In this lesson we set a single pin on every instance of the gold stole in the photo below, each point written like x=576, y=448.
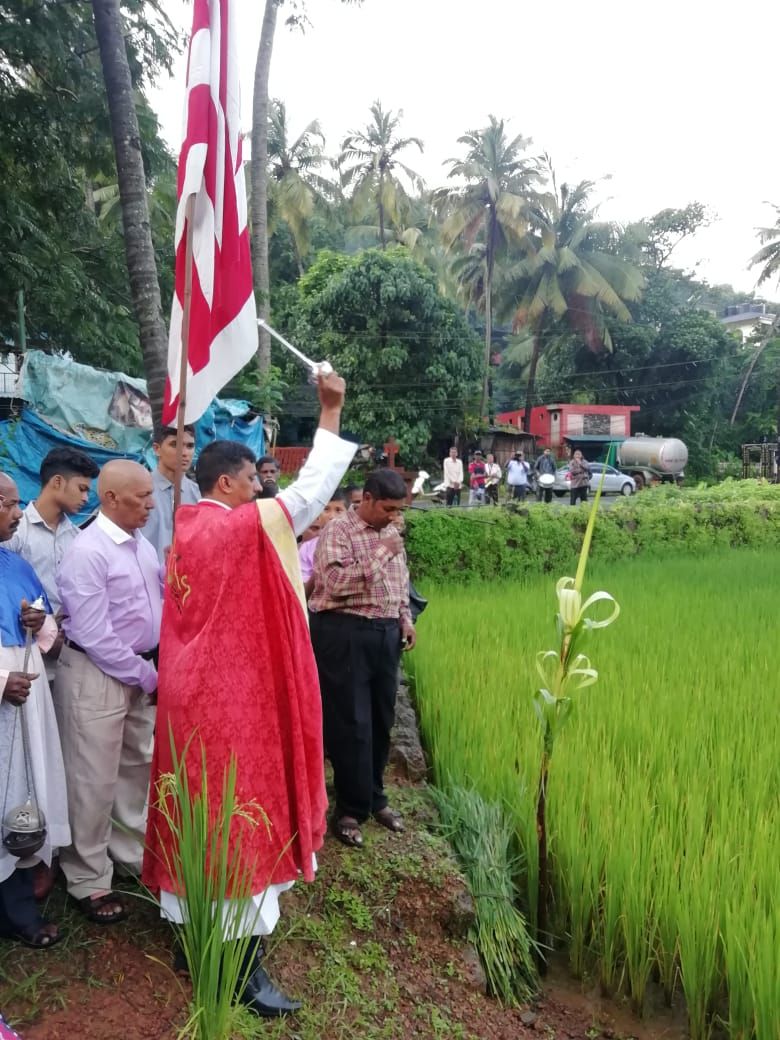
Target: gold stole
x=277, y=526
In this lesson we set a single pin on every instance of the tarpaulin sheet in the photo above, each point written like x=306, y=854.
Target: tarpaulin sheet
x=77, y=400
x=26, y=441
x=105, y=414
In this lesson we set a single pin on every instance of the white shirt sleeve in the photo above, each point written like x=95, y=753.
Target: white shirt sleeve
x=321, y=474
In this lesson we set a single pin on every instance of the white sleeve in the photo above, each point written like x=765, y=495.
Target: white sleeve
x=321, y=474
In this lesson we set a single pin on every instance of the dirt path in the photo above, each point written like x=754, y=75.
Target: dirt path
x=376, y=949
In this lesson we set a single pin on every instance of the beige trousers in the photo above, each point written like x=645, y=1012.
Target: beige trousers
x=107, y=732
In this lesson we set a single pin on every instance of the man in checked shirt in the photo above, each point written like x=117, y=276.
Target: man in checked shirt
x=360, y=622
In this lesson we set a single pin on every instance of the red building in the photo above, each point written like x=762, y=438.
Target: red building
x=554, y=424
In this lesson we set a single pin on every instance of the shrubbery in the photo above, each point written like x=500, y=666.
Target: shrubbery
x=479, y=544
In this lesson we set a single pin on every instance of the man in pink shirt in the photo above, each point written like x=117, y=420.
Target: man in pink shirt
x=336, y=507
x=111, y=590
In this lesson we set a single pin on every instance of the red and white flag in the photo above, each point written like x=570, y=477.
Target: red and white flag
x=223, y=317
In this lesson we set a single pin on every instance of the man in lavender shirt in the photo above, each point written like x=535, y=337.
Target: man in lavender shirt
x=111, y=591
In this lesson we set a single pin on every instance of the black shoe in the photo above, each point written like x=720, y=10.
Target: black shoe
x=180, y=965
x=261, y=996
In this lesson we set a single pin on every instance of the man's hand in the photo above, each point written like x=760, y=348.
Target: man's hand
x=409, y=635
x=391, y=539
x=331, y=390
x=17, y=687
x=54, y=651
x=32, y=619
x=399, y=522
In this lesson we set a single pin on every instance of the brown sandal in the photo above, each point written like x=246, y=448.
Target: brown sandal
x=390, y=819
x=347, y=830
x=91, y=906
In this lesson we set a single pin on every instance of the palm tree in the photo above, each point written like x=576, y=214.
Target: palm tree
x=295, y=184
x=139, y=248
x=258, y=171
x=374, y=151
x=769, y=254
x=563, y=277
x=487, y=214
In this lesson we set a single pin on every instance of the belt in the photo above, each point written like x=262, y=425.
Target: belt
x=358, y=619
x=148, y=655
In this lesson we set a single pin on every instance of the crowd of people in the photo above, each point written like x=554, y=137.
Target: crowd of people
x=522, y=477
x=122, y=643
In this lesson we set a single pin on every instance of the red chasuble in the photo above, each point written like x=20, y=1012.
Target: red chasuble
x=237, y=673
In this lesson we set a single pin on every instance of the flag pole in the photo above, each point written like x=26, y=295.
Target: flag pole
x=185, y=345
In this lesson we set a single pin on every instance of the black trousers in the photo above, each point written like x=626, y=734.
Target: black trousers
x=453, y=496
x=545, y=493
x=579, y=494
x=357, y=661
x=18, y=909
x=518, y=492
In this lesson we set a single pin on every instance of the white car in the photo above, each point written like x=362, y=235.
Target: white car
x=615, y=482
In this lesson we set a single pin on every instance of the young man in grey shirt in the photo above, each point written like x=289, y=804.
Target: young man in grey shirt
x=45, y=530
x=159, y=527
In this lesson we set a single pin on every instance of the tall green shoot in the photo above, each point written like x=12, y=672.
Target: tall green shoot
x=563, y=672
x=203, y=865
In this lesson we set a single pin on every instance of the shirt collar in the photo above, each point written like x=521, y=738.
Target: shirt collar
x=161, y=480
x=35, y=517
x=214, y=502
x=358, y=520
x=116, y=534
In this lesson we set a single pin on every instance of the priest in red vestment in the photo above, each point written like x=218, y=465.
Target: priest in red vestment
x=237, y=674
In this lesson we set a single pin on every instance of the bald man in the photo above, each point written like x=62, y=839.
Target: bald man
x=111, y=591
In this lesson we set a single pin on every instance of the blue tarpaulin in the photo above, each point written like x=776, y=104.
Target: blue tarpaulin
x=105, y=414
x=25, y=442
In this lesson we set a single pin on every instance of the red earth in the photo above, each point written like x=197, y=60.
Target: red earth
x=375, y=948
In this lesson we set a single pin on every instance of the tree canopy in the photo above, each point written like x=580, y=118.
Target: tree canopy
x=410, y=360
x=56, y=150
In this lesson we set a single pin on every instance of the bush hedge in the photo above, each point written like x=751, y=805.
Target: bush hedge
x=466, y=545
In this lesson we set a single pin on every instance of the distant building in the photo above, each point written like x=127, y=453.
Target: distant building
x=553, y=425
x=747, y=318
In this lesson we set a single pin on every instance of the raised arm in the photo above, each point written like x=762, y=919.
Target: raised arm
x=327, y=462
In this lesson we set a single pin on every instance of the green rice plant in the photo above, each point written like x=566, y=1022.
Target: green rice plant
x=610, y=920
x=482, y=837
x=738, y=939
x=669, y=784
x=207, y=864
x=699, y=942
x=639, y=919
x=665, y=874
x=764, y=973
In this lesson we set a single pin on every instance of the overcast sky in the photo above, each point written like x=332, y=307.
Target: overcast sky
x=673, y=101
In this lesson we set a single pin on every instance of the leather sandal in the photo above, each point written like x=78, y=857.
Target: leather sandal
x=390, y=819
x=91, y=907
x=35, y=936
x=347, y=830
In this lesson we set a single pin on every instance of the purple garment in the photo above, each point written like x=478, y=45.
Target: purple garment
x=306, y=556
x=111, y=592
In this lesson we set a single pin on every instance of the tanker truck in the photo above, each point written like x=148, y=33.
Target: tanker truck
x=653, y=459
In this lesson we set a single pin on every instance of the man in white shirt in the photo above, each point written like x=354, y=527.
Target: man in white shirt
x=45, y=530
x=159, y=527
x=453, y=477
x=517, y=476
x=44, y=533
